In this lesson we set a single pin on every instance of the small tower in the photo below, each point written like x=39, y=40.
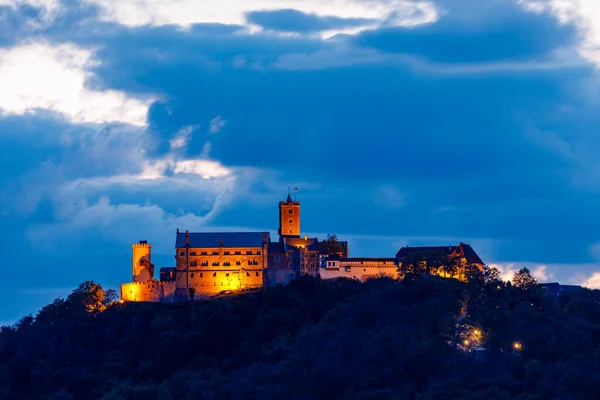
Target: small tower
x=143, y=269
x=289, y=218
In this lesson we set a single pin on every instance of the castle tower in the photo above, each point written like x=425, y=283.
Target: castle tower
x=289, y=218
x=143, y=269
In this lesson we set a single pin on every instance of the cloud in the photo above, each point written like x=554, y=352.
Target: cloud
x=388, y=196
x=592, y=282
x=508, y=270
x=295, y=21
x=38, y=75
x=188, y=12
x=216, y=124
x=585, y=14
x=182, y=138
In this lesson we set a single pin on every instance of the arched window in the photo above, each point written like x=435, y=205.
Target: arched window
x=193, y=263
x=238, y=262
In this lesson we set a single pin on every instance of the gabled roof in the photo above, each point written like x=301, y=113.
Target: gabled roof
x=462, y=249
x=223, y=239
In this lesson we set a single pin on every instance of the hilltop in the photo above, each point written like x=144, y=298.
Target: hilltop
x=426, y=338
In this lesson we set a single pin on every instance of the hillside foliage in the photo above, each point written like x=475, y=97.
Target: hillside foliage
x=425, y=338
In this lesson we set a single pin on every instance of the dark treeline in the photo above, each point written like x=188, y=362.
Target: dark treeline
x=313, y=339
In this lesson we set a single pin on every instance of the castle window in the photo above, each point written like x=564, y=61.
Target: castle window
x=258, y=252
x=248, y=252
x=238, y=253
x=193, y=253
x=290, y=211
x=215, y=253
x=226, y=253
x=226, y=264
x=214, y=274
x=201, y=275
x=247, y=273
x=291, y=221
x=193, y=263
x=204, y=253
x=192, y=275
x=182, y=253
x=215, y=263
x=204, y=264
x=238, y=262
x=290, y=231
x=258, y=274
x=249, y=262
x=227, y=274
x=255, y=262
x=276, y=259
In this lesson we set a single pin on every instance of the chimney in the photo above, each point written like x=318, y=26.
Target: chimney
x=187, y=238
x=221, y=242
x=177, y=230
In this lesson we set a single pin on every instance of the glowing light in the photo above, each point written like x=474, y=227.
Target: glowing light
x=477, y=332
x=466, y=342
x=517, y=345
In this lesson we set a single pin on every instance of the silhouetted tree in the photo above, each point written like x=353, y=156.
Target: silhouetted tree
x=524, y=280
x=331, y=245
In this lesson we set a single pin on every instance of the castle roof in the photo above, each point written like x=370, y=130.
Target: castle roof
x=223, y=239
x=462, y=249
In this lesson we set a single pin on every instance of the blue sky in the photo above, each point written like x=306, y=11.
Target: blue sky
x=401, y=123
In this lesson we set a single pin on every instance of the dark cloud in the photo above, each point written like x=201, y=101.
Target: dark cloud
x=296, y=21
x=501, y=32
x=489, y=156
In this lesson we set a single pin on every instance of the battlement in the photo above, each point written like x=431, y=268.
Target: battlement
x=141, y=245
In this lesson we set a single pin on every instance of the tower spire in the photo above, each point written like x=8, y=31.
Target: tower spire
x=289, y=198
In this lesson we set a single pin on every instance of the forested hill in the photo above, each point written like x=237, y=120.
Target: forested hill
x=312, y=340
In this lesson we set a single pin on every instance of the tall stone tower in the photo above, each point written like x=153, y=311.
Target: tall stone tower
x=289, y=218
x=143, y=269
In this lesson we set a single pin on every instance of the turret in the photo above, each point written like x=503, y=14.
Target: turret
x=143, y=269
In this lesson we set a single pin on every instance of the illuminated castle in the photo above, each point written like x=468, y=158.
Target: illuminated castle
x=209, y=263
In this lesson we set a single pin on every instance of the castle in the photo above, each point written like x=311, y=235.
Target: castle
x=210, y=263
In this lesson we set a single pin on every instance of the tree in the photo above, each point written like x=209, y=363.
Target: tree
x=491, y=276
x=474, y=274
x=415, y=265
x=524, y=280
x=91, y=296
x=331, y=245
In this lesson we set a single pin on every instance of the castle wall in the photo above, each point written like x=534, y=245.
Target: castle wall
x=152, y=291
x=275, y=276
x=361, y=269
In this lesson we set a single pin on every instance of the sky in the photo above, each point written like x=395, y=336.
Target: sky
x=401, y=122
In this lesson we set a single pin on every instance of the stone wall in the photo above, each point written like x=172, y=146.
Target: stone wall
x=151, y=291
